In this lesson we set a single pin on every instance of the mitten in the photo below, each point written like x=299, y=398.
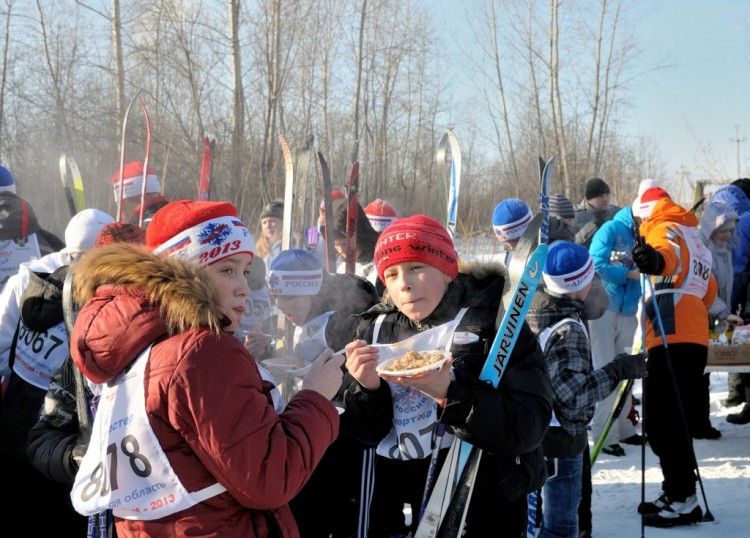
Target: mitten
x=625, y=366
x=648, y=259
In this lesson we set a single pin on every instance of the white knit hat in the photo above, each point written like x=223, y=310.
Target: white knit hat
x=83, y=229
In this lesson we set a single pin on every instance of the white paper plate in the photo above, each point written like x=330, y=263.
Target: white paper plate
x=383, y=367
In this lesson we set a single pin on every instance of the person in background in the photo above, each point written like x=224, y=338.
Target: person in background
x=717, y=226
x=315, y=240
x=417, y=261
x=323, y=308
x=510, y=219
x=680, y=268
x=21, y=237
x=132, y=190
x=610, y=334
x=555, y=317
x=33, y=345
x=737, y=195
x=380, y=214
x=59, y=438
x=365, y=244
x=594, y=211
x=195, y=400
x=271, y=228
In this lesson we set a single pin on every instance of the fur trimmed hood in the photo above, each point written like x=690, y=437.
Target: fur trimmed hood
x=176, y=286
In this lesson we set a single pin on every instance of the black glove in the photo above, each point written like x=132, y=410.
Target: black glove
x=599, y=218
x=648, y=259
x=625, y=366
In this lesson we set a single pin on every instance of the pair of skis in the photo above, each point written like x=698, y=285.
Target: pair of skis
x=450, y=140
x=145, y=159
x=72, y=184
x=296, y=195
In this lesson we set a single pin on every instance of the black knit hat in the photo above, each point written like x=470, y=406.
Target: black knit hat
x=562, y=207
x=596, y=187
x=744, y=184
x=274, y=209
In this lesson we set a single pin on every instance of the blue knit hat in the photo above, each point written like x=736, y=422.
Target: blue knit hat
x=568, y=269
x=295, y=272
x=510, y=219
x=7, y=183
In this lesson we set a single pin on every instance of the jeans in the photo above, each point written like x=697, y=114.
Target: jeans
x=562, y=493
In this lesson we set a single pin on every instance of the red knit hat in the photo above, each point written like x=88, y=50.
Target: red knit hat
x=335, y=195
x=644, y=204
x=120, y=232
x=204, y=232
x=380, y=214
x=416, y=239
x=133, y=181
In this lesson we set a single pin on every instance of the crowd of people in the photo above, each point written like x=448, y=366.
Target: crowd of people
x=140, y=396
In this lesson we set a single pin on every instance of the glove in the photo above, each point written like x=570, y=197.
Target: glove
x=648, y=259
x=625, y=366
x=599, y=218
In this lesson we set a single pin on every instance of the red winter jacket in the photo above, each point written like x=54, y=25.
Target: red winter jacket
x=207, y=404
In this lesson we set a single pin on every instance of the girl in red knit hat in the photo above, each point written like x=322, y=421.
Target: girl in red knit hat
x=401, y=416
x=186, y=441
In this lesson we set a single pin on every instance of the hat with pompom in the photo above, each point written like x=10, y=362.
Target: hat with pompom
x=418, y=238
x=132, y=181
x=569, y=268
x=380, y=214
x=510, y=219
x=204, y=232
x=7, y=182
x=644, y=204
x=294, y=272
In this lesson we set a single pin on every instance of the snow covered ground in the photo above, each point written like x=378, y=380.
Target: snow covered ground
x=724, y=468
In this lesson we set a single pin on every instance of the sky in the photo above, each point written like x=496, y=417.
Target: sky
x=694, y=107
x=724, y=466
x=701, y=100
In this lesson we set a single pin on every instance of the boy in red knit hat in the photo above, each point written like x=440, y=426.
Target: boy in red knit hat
x=403, y=416
x=131, y=189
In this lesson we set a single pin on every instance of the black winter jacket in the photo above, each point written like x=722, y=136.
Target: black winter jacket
x=508, y=423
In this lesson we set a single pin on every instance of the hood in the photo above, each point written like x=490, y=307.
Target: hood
x=714, y=216
x=132, y=298
x=666, y=211
x=734, y=196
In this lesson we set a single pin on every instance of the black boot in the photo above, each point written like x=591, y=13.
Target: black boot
x=735, y=390
x=743, y=417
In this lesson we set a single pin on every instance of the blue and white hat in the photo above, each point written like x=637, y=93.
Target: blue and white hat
x=7, y=183
x=295, y=272
x=568, y=269
x=510, y=219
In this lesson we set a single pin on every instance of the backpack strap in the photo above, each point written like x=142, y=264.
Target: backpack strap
x=69, y=316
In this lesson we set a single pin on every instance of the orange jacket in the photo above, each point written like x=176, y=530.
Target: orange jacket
x=684, y=315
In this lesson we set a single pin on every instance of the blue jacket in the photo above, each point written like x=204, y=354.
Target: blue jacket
x=616, y=235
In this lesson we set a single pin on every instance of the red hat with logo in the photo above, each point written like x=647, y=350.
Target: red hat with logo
x=132, y=177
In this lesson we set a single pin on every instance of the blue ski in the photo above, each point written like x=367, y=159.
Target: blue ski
x=457, y=481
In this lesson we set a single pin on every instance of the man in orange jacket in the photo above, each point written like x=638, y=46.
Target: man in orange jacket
x=680, y=267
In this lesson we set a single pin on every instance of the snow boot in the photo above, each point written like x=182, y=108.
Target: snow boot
x=743, y=417
x=654, y=507
x=613, y=450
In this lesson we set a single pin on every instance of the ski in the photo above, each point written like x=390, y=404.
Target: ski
x=74, y=190
x=449, y=139
x=622, y=397
x=352, y=214
x=122, y=155
x=302, y=195
x=204, y=187
x=545, y=172
x=145, y=160
x=286, y=229
x=447, y=520
x=325, y=173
